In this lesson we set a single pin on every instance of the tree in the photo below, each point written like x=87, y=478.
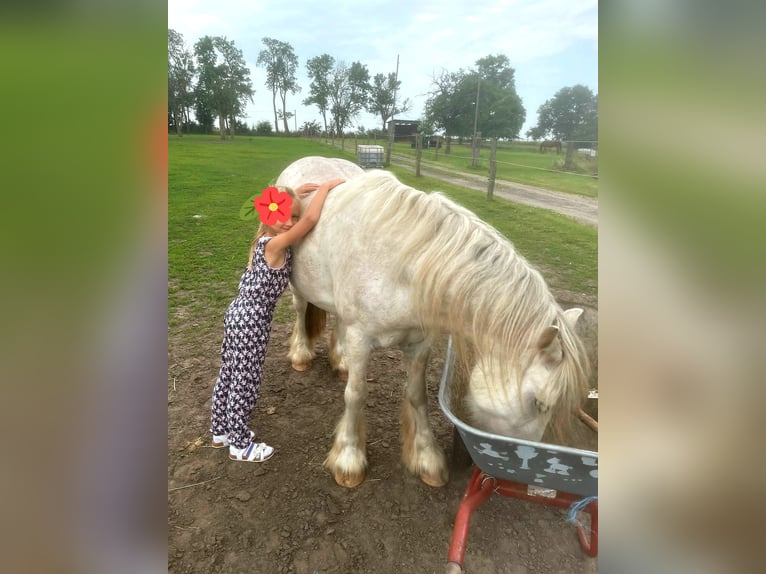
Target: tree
x=498, y=112
x=205, y=117
x=382, y=97
x=311, y=129
x=319, y=70
x=281, y=63
x=180, y=76
x=571, y=115
x=223, y=85
x=349, y=88
x=536, y=133
x=263, y=128
x=285, y=117
x=450, y=106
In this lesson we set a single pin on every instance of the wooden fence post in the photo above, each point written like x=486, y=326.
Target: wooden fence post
x=391, y=138
x=570, y=152
x=418, y=153
x=475, y=149
x=492, y=168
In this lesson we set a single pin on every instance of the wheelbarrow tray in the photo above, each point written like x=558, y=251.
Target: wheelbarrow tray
x=543, y=465
x=548, y=474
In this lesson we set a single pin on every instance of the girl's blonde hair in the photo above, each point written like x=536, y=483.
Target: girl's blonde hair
x=263, y=229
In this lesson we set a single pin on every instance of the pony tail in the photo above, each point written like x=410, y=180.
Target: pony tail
x=316, y=319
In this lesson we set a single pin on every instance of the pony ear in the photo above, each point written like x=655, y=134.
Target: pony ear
x=550, y=346
x=571, y=315
x=547, y=337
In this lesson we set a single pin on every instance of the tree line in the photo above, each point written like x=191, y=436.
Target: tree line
x=213, y=81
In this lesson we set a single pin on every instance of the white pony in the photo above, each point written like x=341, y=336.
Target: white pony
x=397, y=267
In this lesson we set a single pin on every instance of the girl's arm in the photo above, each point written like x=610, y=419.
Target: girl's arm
x=275, y=247
x=306, y=189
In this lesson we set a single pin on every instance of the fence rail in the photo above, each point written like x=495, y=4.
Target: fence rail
x=583, y=168
x=494, y=145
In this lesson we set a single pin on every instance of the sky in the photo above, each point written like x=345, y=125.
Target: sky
x=551, y=44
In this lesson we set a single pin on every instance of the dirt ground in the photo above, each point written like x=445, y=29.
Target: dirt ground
x=287, y=515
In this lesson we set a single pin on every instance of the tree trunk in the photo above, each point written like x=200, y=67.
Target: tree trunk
x=222, y=126
x=274, y=105
x=284, y=114
x=324, y=118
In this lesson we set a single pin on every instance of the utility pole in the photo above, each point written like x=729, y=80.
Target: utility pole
x=391, y=128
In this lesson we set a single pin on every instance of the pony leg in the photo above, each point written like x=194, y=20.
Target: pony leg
x=338, y=359
x=347, y=460
x=309, y=321
x=421, y=454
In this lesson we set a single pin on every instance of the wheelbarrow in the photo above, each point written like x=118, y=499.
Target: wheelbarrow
x=538, y=472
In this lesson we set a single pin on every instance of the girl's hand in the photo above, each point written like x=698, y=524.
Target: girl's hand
x=276, y=246
x=306, y=189
x=333, y=183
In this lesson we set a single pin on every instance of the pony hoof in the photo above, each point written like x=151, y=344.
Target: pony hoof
x=348, y=480
x=436, y=482
x=301, y=367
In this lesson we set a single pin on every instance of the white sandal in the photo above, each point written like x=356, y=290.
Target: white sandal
x=222, y=440
x=254, y=452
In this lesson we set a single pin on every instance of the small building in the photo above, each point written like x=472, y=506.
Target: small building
x=404, y=130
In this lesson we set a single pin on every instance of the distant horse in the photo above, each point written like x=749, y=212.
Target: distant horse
x=551, y=143
x=397, y=267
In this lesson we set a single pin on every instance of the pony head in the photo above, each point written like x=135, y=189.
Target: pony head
x=520, y=404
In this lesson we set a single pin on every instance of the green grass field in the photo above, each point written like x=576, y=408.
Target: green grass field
x=209, y=180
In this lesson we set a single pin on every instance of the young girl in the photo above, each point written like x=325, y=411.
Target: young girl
x=247, y=324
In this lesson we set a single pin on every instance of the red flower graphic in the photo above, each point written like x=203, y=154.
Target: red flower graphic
x=273, y=205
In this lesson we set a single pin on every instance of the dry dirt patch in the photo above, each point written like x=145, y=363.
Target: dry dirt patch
x=288, y=516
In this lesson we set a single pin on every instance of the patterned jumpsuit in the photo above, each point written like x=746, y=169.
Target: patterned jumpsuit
x=247, y=325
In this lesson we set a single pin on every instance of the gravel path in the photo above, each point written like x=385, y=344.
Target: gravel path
x=582, y=209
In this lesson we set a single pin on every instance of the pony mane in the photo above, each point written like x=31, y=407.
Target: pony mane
x=467, y=279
